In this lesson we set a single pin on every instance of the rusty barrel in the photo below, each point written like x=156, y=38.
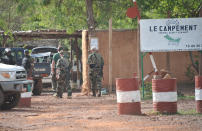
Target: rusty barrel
x=25, y=100
x=128, y=96
x=198, y=93
x=164, y=93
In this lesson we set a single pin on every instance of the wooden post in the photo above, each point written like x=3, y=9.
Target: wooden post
x=78, y=64
x=110, y=56
x=168, y=53
x=71, y=57
x=85, y=86
x=138, y=51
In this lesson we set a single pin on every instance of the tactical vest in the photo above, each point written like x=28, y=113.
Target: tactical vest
x=61, y=69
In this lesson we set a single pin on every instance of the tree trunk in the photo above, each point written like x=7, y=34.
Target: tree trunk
x=77, y=62
x=90, y=18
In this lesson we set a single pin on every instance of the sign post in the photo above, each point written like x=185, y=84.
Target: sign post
x=166, y=35
x=169, y=35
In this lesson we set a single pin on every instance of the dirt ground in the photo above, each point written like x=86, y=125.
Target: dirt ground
x=84, y=113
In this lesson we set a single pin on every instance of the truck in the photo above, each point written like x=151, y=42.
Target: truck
x=17, y=53
x=42, y=58
x=42, y=66
x=13, y=81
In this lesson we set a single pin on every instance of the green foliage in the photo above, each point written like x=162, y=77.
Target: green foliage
x=188, y=112
x=104, y=10
x=170, y=8
x=46, y=2
x=71, y=14
x=186, y=97
x=147, y=90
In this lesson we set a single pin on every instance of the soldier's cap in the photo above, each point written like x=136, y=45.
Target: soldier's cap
x=60, y=48
x=26, y=51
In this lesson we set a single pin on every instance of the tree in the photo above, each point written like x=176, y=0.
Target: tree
x=9, y=21
x=173, y=9
x=71, y=14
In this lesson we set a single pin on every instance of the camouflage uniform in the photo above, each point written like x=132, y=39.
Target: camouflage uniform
x=62, y=76
x=56, y=57
x=27, y=64
x=96, y=63
x=68, y=76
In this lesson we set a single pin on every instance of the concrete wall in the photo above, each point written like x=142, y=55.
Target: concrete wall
x=125, y=59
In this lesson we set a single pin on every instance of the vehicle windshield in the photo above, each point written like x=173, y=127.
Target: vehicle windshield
x=44, y=49
x=43, y=54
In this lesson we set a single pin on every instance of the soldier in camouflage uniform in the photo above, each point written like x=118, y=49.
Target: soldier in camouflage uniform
x=96, y=63
x=68, y=76
x=62, y=76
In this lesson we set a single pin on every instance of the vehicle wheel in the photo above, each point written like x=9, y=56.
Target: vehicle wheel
x=37, y=87
x=11, y=100
x=1, y=97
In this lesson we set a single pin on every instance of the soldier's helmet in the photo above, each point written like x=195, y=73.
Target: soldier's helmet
x=26, y=51
x=8, y=50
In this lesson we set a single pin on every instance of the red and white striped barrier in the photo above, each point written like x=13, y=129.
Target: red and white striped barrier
x=25, y=100
x=198, y=93
x=164, y=95
x=128, y=96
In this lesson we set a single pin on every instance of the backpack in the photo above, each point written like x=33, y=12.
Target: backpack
x=95, y=60
x=61, y=69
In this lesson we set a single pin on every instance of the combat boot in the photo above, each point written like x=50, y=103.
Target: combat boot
x=59, y=95
x=94, y=93
x=69, y=92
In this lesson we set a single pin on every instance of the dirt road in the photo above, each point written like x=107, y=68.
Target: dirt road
x=84, y=113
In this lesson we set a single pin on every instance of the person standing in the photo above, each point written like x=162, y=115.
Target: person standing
x=56, y=57
x=96, y=63
x=8, y=58
x=68, y=76
x=62, y=69
x=27, y=63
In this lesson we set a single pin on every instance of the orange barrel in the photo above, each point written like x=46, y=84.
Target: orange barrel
x=128, y=96
x=198, y=93
x=164, y=93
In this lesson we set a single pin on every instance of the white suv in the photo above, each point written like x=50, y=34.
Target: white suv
x=13, y=81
